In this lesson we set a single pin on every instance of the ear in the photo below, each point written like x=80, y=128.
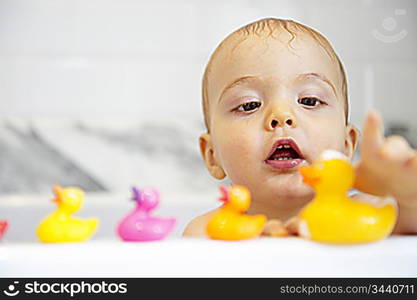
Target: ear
x=207, y=152
x=351, y=140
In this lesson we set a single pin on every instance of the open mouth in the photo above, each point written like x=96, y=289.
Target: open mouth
x=284, y=154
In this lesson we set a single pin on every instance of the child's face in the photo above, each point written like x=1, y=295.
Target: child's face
x=261, y=91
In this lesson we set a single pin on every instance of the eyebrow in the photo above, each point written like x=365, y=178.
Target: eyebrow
x=237, y=82
x=318, y=76
x=246, y=79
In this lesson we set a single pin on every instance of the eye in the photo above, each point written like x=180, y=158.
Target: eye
x=248, y=106
x=310, y=101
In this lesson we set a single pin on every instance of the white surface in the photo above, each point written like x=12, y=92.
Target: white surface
x=264, y=257
x=58, y=56
x=21, y=255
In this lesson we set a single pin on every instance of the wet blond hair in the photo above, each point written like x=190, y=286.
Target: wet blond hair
x=267, y=27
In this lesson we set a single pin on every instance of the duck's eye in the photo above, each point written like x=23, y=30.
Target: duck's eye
x=248, y=106
x=310, y=101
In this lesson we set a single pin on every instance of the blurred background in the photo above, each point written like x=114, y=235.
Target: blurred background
x=104, y=94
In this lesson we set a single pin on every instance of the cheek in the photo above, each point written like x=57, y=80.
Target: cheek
x=238, y=148
x=327, y=134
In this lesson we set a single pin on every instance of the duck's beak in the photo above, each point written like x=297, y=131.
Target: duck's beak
x=225, y=193
x=310, y=175
x=57, y=189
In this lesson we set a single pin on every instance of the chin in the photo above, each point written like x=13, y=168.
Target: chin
x=289, y=187
x=285, y=188
x=301, y=192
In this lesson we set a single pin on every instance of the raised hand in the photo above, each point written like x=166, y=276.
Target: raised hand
x=387, y=166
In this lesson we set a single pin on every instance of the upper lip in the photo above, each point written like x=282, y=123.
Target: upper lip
x=283, y=142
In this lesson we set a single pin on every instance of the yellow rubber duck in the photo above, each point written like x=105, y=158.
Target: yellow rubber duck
x=60, y=226
x=230, y=222
x=332, y=216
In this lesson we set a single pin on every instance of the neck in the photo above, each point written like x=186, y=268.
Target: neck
x=282, y=210
x=140, y=212
x=62, y=213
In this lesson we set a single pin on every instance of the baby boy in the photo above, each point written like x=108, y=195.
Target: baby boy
x=275, y=97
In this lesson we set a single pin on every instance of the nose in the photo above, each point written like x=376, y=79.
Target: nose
x=280, y=119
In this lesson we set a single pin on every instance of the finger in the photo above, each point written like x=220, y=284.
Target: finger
x=356, y=165
x=373, y=135
x=292, y=225
x=396, y=149
x=275, y=228
x=412, y=163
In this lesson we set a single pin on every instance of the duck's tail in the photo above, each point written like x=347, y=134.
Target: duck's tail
x=252, y=226
x=388, y=213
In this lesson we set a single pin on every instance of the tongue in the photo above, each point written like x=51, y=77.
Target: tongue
x=284, y=153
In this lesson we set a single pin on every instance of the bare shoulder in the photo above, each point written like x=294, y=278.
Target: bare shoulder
x=197, y=226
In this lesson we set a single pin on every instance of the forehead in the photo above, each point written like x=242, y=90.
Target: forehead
x=275, y=58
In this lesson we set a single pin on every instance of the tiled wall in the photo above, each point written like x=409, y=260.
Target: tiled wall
x=109, y=57
x=142, y=60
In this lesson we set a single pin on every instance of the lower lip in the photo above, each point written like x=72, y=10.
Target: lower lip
x=284, y=164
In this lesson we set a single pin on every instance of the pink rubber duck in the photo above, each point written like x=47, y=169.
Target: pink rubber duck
x=3, y=227
x=139, y=225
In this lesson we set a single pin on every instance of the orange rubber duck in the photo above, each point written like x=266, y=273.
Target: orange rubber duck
x=230, y=221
